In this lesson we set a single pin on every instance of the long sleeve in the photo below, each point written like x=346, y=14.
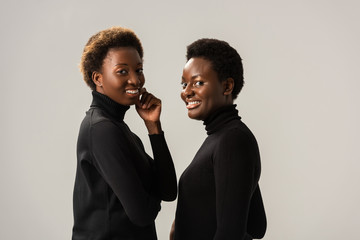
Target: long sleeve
x=164, y=168
x=115, y=162
x=256, y=226
x=236, y=175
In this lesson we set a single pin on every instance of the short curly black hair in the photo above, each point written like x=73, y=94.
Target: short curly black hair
x=225, y=60
x=98, y=46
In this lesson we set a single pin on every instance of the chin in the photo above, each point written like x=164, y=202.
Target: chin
x=194, y=116
x=129, y=102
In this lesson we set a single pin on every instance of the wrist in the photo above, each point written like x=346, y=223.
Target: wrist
x=153, y=127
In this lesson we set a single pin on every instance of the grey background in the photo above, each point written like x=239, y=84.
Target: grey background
x=301, y=99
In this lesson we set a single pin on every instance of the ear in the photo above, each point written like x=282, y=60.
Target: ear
x=228, y=86
x=97, y=79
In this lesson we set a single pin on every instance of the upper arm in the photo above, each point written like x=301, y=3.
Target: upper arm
x=112, y=158
x=235, y=170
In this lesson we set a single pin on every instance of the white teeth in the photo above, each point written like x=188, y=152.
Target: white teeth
x=193, y=102
x=132, y=91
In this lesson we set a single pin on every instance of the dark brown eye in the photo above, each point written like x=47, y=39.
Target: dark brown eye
x=122, y=72
x=199, y=83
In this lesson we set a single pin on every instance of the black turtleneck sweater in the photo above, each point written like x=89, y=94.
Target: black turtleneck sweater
x=219, y=197
x=118, y=187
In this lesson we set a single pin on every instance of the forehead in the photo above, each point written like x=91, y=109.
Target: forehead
x=128, y=55
x=199, y=66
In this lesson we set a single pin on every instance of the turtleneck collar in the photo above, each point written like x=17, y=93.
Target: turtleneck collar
x=220, y=117
x=113, y=108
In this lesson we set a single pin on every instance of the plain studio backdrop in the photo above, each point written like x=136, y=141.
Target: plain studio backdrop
x=301, y=99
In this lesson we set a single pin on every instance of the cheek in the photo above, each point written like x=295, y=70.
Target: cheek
x=203, y=94
x=208, y=95
x=142, y=81
x=182, y=96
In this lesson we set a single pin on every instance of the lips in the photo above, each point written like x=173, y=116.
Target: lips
x=192, y=104
x=132, y=92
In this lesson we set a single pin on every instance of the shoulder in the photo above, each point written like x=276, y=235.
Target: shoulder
x=235, y=140
x=97, y=115
x=235, y=134
x=102, y=126
x=236, y=147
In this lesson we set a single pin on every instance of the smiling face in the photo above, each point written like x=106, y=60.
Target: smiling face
x=121, y=76
x=202, y=92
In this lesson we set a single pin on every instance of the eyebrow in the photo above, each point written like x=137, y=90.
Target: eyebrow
x=121, y=64
x=193, y=77
x=125, y=64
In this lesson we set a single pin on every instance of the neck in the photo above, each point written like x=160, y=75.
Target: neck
x=111, y=107
x=219, y=118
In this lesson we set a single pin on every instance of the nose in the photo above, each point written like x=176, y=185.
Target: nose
x=134, y=79
x=188, y=91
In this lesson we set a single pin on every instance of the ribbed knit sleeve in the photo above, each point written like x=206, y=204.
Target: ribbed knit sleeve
x=164, y=168
x=236, y=175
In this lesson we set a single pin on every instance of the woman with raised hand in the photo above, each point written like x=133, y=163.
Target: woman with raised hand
x=219, y=196
x=118, y=187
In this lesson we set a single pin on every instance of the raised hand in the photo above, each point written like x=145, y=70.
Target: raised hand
x=149, y=109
